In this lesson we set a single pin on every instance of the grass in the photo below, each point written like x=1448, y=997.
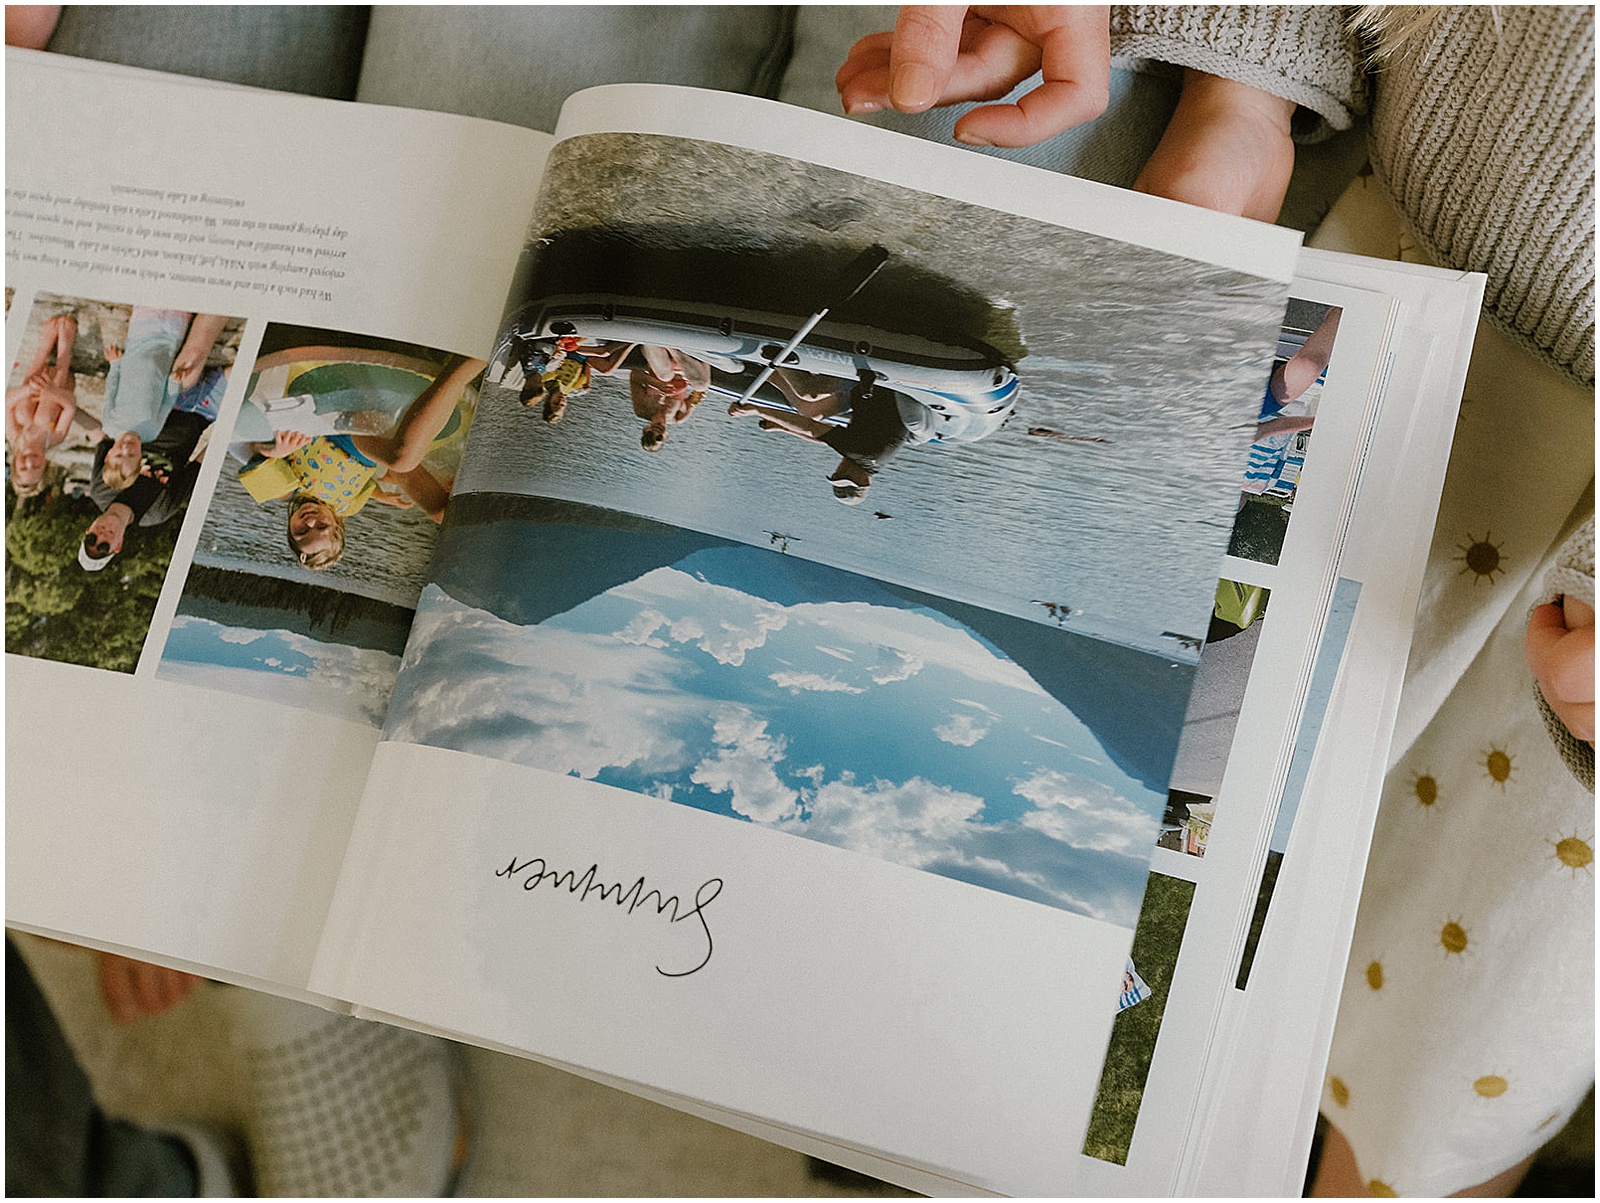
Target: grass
x=1133, y=1034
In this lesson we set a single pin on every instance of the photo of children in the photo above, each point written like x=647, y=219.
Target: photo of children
x=1283, y=431
x=315, y=544
x=109, y=411
x=762, y=440
x=965, y=400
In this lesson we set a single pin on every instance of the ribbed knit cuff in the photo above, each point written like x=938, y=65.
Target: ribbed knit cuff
x=1483, y=132
x=1302, y=53
x=1575, y=754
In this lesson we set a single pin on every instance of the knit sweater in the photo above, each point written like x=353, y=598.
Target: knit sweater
x=1482, y=131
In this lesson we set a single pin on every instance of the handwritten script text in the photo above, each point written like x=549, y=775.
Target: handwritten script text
x=535, y=872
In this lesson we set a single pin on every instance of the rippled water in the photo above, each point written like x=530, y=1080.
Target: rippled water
x=1162, y=357
x=1129, y=532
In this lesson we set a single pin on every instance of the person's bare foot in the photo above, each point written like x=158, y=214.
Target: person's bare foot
x=1227, y=147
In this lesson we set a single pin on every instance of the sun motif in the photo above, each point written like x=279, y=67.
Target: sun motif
x=1575, y=854
x=1426, y=788
x=1379, y=1189
x=1499, y=764
x=1375, y=975
x=1490, y=1086
x=1453, y=938
x=1481, y=557
x=1339, y=1091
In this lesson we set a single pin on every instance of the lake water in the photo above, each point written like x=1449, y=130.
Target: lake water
x=1129, y=532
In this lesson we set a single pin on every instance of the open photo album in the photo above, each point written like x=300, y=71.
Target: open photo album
x=887, y=649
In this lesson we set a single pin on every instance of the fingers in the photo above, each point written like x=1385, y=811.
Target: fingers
x=285, y=442
x=1562, y=661
x=947, y=55
x=1073, y=48
x=133, y=989
x=927, y=39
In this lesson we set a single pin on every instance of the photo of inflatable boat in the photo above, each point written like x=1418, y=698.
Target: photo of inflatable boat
x=969, y=389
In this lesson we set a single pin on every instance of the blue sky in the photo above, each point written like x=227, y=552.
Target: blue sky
x=888, y=729
x=281, y=666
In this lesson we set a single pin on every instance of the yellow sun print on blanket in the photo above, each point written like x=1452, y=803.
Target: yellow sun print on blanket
x=1481, y=557
x=1426, y=788
x=1453, y=938
x=1339, y=1091
x=1575, y=854
x=1379, y=1189
x=1375, y=975
x=1500, y=765
x=1490, y=1086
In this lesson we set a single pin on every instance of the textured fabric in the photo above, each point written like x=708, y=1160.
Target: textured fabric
x=1486, y=139
x=1466, y=1027
x=1303, y=53
x=1482, y=129
x=310, y=48
x=58, y=1142
x=519, y=63
x=1112, y=149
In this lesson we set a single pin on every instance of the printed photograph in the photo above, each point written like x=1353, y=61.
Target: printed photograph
x=1157, y=940
x=316, y=543
x=109, y=413
x=960, y=400
x=995, y=750
x=1213, y=716
x=1283, y=431
x=872, y=517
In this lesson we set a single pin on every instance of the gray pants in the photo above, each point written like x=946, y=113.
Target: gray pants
x=517, y=64
x=58, y=1141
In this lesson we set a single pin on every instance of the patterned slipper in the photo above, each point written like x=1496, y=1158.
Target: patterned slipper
x=349, y=1107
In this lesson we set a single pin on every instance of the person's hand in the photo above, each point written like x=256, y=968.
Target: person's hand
x=1560, y=649
x=942, y=54
x=30, y=25
x=286, y=442
x=187, y=368
x=134, y=989
x=1227, y=147
x=113, y=352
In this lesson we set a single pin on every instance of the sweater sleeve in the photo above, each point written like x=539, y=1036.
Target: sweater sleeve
x=1571, y=575
x=1303, y=53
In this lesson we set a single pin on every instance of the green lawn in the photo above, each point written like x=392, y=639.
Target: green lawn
x=1133, y=1034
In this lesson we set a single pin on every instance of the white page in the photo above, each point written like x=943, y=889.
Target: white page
x=200, y=826
x=850, y=995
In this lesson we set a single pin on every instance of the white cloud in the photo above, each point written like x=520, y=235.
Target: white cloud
x=978, y=706
x=332, y=678
x=803, y=682
x=238, y=635
x=745, y=767
x=838, y=653
x=911, y=823
x=895, y=664
x=962, y=730
x=562, y=700
x=676, y=603
x=1085, y=814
